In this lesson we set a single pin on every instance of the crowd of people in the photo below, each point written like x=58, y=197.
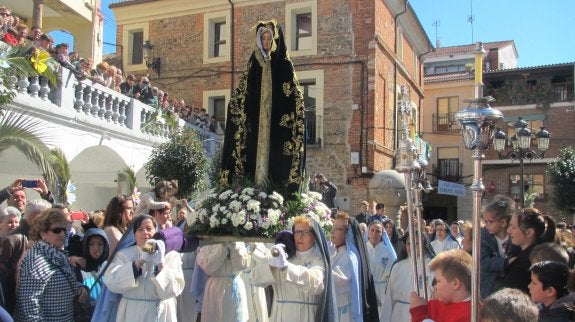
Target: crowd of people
x=14, y=33
x=134, y=255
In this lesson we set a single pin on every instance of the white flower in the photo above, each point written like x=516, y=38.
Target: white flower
x=248, y=191
x=262, y=195
x=274, y=216
x=249, y=225
x=254, y=206
x=276, y=196
x=203, y=214
x=238, y=218
x=235, y=206
x=234, y=196
x=192, y=216
x=245, y=197
x=224, y=221
x=214, y=222
x=225, y=195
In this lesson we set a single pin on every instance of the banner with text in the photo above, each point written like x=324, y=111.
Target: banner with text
x=450, y=188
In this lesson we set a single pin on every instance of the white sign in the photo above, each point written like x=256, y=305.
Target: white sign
x=450, y=188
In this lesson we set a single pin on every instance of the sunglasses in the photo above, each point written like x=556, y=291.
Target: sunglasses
x=57, y=230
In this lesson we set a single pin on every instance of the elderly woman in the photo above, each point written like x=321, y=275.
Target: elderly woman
x=46, y=287
x=302, y=284
x=9, y=219
x=148, y=281
x=12, y=249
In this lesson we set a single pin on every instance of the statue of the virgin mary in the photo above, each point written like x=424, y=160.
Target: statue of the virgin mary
x=264, y=137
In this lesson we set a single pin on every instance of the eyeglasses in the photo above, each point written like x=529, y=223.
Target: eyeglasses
x=302, y=232
x=57, y=230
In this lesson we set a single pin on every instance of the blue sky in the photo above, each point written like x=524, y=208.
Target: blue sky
x=542, y=30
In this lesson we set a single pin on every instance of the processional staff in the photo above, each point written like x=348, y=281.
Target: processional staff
x=414, y=173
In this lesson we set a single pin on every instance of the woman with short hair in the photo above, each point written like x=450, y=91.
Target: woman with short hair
x=46, y=288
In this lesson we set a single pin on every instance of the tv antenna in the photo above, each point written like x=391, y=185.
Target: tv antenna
x=436, y=23
x=471, y=19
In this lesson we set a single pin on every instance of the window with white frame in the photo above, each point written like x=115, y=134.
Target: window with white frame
x=216, y=102
x=312, y=86
x=134, y=36
x=531, y=182
x=301, y=28
x=216, y=37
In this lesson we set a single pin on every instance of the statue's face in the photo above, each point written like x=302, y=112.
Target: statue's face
x=267, y=41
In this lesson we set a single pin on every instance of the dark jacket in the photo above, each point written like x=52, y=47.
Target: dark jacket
x=517, y=274
x=559, y=311
x=363, y=217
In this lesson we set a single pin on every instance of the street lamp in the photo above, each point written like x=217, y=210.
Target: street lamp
x=151, y=62
x=477, y=129
x=521, y=147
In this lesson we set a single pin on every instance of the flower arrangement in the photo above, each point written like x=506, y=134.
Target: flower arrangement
x=247, y=211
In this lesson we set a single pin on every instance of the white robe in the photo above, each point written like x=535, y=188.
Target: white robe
x=380, y=262
x=257, y=302
x=297, y=288
x=186, y=301
x=446, y=244
x=397, y=296
x=149, y=297
x=342, y=271
x=225, y=294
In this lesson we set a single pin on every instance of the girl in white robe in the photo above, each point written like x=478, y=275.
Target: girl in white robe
x=224, y=297
x=397, y=295
x=146, y=295
x=381, y=256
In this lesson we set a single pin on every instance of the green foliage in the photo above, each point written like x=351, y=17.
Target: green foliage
x=562, y=176
x=529, y=198
x=131, y=176
x=27, y=135
x=63, y=175
x=216, y=167
x=182, y=158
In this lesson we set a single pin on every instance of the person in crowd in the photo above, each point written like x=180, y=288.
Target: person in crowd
x=162, y=216
x=345, y=268
x=34, y=36
x=46, y=42
x=83, y=68
x=8, y=33
x=443, y=241
x=452, y=269
x=327, y=189
x=495, y=244
x=9, y=219
x=202, y=120
x=363, y=215
x=214, y=124
x=527, y=228
x=148, y=279
x=379, y=214
x=128, y=87
x=363, y=231
x=157, y=198
x=182, y=211
x=118, y=80
x=12, y=248
x=46, y=288
x=467, y=241
x=548, y=288
x=381, y=255
x=224, y=296
x=15, y=195
x=22, y=31
x=548, y=252
x=456, y=231
x=398, y=293
x=302, y=285
x=566, y=239
x=109, y=77
x=62, y=56
x=393, y=235
x=74, y=57
x=89, y=267
x=32, y=210
x=144, y=91
x=508, y=305
x=117, y=219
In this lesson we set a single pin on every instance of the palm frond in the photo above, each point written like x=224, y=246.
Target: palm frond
x=25, y=134
x=131, y=175
x=62, y=169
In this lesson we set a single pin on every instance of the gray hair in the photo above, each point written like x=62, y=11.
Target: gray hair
x=34, y=207
x=9, y=211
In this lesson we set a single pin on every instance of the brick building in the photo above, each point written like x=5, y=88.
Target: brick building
x=351, y=57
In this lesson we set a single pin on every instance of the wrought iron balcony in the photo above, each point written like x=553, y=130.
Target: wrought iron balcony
x=445, y=122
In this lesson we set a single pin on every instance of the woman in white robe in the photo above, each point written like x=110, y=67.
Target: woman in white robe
x=225, y=294
x=149, y=284
x=381, y=256
x=298, y=283
x=186, y=300
x=397, y=295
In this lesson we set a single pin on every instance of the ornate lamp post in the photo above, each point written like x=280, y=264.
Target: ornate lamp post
x=521, y=147
x=477, y=129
